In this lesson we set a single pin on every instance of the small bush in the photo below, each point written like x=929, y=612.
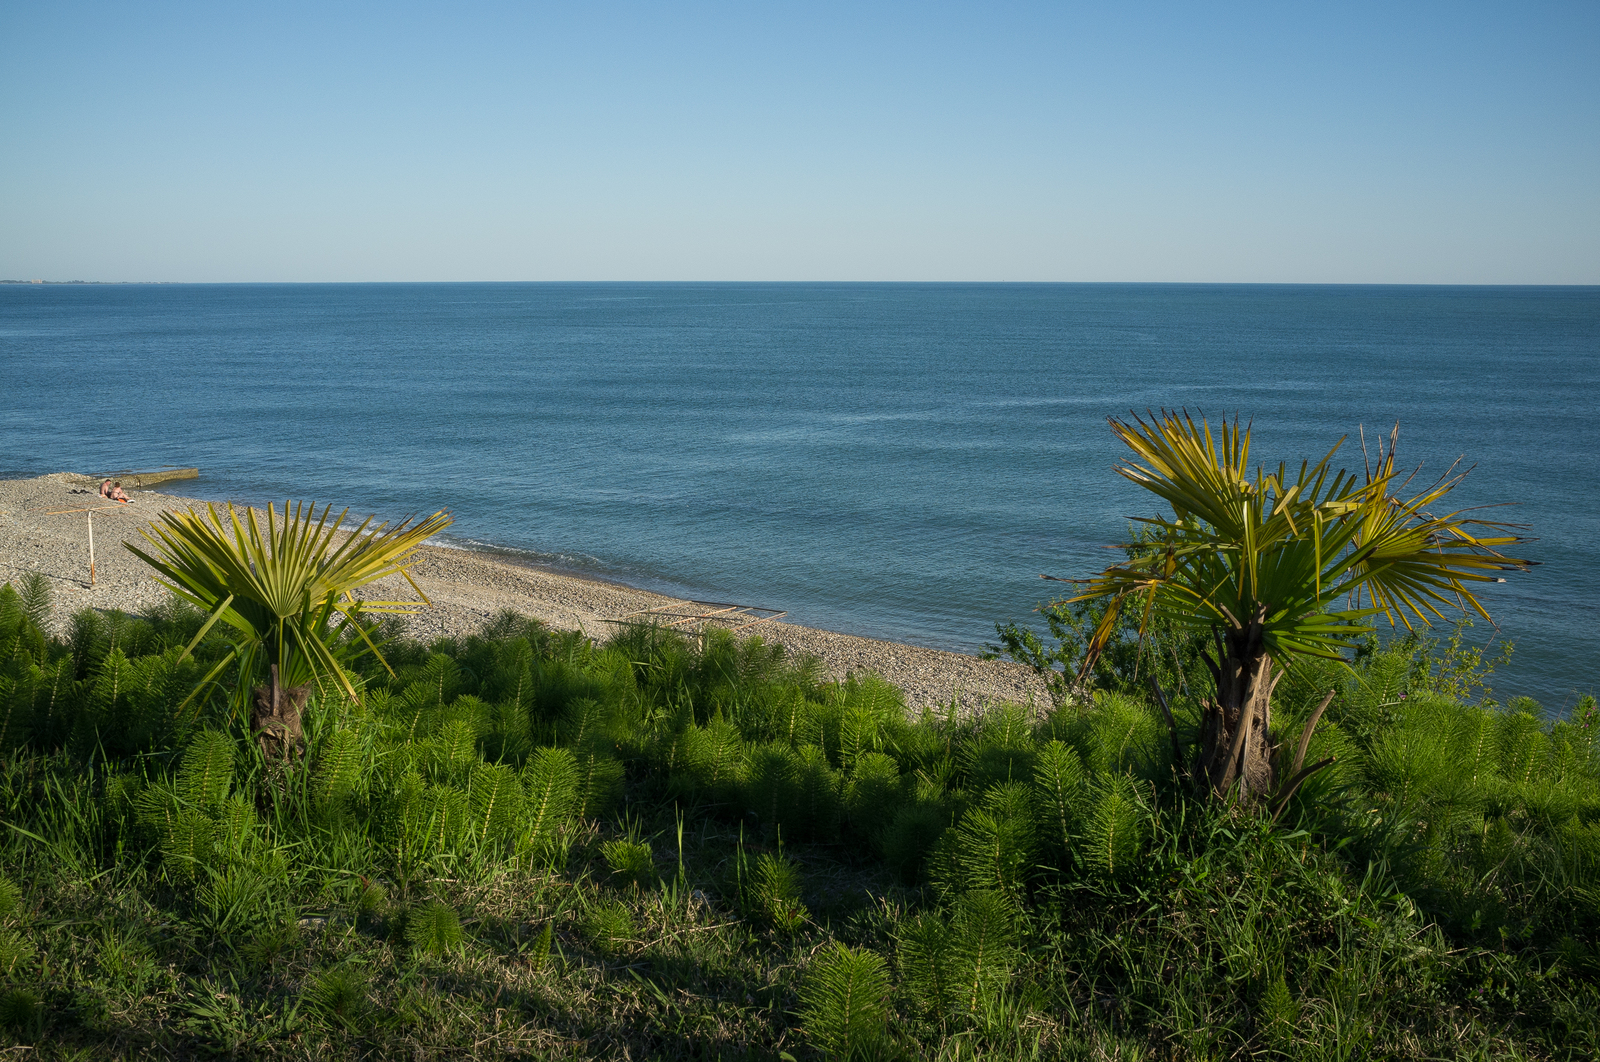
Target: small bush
x=339, y=994
x=551, y=783
x=22, y=1011
x=873, y=794
x=775, y=892
x=434, y=929
x=1279, y=1014
x=1114, y=830
x=630, y=861
x=609, y=927
x=845, y=1001
x=10, y=899
x=16, y=951
x=984, y=939
x=539, y=951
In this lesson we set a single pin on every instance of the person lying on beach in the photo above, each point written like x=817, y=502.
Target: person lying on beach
x=117, y=493
x=105, y=489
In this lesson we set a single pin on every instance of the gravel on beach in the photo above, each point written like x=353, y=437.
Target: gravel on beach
x=41, y=532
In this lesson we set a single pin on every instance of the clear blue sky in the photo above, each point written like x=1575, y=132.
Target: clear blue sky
x=1277, y=142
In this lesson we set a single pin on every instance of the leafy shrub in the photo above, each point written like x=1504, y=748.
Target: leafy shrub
x=775, y=891
x=1114, y=827
x=1060, y=779
x=551, y=781
x=610, y=928
x=630, y=861
x=872, y=795
x=21, y=1011
x=958, y=968
x=16, y=951
x=10, y=899
x=995, y=845
x=844, y=1001
x=434, y=929
x=340, y=994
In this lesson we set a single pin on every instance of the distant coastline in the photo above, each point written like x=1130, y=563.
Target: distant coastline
x=85, y=282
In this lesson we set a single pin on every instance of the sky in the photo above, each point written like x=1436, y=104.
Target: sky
x=1162, y=142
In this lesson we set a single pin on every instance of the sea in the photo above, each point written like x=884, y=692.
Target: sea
x=900, y=461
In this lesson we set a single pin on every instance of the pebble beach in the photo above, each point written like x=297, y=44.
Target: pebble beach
x=45, y=527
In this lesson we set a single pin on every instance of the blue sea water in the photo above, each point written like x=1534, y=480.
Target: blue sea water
x=894, y=460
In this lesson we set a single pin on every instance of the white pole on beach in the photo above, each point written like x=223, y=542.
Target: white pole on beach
x=91, y=547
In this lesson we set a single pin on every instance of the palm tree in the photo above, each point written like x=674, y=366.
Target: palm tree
x=1264, y=565
x=286, y=596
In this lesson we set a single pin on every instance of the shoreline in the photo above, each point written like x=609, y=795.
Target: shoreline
x=467, y=587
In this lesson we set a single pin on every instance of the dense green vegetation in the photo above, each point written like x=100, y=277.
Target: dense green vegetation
x=1277, y=568
x=526, y=843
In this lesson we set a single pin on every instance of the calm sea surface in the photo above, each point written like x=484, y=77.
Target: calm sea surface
x=899, y=461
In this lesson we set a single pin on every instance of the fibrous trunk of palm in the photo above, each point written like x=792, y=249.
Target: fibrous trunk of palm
x=1236, y=741
x=276, y=718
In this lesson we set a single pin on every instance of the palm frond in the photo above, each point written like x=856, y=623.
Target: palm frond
x=279, y=588
x=1291, y=552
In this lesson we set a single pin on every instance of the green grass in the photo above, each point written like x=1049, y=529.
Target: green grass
x=529, y=845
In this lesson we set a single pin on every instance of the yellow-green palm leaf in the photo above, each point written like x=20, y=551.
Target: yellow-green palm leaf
x=1309, y=556
x=278, y=587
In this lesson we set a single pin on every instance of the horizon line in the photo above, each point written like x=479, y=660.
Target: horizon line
x=815, y=282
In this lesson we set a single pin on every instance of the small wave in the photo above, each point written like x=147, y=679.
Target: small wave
x=574, y=563
x=581, y=564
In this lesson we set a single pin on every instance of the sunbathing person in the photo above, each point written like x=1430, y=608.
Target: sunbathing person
x=105, y=489
x=117, y=493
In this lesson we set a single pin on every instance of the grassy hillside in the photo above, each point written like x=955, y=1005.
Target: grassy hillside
x=527, y=844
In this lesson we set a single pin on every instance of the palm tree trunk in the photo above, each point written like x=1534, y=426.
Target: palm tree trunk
x=276, y=719
x=1236, y=740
